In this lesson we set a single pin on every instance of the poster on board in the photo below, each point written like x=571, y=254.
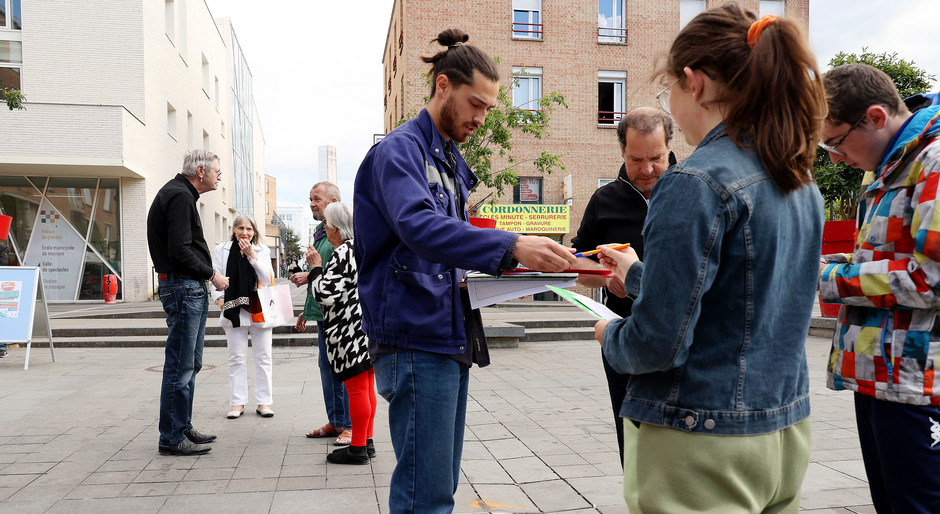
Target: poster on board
x=23, y=312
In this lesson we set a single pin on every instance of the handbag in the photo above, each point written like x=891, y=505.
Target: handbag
x=276, y=307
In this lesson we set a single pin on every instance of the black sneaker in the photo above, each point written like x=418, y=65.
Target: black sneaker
x=185, y=448
x=349, y=455
x=370, y=448
x=3, y=353
x=198, y=438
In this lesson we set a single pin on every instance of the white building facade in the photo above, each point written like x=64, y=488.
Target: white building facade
x=327, y=162
x=112, y=107
x=299, y=219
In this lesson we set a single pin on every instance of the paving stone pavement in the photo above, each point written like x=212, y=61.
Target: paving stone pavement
x=80, y=435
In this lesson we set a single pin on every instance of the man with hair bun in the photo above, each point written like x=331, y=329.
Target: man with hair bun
x=412, y=243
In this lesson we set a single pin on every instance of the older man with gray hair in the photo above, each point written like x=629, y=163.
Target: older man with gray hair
x=183, y=263
x=616, y=213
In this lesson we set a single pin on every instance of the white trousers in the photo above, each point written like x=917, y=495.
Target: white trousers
x=237, y=363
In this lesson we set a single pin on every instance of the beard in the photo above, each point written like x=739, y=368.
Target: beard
x=450, y=124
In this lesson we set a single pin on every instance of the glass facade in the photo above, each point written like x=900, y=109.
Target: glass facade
x=68, y=226
x=242, y=132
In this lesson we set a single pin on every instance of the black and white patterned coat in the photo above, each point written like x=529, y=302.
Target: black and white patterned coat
x=334, y=288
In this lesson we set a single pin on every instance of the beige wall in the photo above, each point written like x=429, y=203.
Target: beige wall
x=98, y=82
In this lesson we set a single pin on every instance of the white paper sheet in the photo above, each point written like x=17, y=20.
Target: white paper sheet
x=486, y=290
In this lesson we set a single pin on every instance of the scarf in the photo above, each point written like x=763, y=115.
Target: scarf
x=242, y=284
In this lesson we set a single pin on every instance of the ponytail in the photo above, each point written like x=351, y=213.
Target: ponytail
x=458, y=61
x=773, y=92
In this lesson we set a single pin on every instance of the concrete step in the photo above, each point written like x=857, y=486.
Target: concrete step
x=137, y=327
x=558, y=334
x=158, y=341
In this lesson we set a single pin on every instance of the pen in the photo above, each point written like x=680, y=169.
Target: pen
x=595, y=252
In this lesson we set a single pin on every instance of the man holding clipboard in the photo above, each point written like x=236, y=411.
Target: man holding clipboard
x=616, y=213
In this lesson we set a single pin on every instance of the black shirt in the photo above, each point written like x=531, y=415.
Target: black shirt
x=614, y=214
x=174, y=232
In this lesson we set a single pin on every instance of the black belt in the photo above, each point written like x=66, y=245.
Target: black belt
x=178, y=276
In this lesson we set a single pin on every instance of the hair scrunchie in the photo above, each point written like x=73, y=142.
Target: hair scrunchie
x=458, y=43
x=757, y=27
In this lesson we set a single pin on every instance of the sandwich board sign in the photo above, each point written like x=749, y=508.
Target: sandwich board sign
x=23, y=312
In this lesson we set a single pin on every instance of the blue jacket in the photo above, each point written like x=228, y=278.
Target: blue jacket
x=411, y=241
x=715, y=340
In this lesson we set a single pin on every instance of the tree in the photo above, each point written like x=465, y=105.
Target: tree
x=495, y=137
x=838, y=183
x=291, y=242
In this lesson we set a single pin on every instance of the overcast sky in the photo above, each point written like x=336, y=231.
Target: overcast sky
x=317, y=69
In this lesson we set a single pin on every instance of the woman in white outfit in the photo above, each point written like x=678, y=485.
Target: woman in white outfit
x=245, y=262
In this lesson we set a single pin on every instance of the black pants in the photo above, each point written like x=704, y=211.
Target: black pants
x=617, y=386
x=901, y=449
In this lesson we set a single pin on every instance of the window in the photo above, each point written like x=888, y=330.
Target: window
x=169, y=14
x=267, y=186
x=527, y=19
x=10, y=15
x=528, y=190
x=205, y=75
x=171, y=121
x=205, y=140
x=526, y=88
x=11, y=61
x=689, y=9
x=267, y=208
x=611, y=22
x=217, y=93
x=184, y=49
x=611, y=98
x=601, y=182
x=775, y=7
x=189, y=131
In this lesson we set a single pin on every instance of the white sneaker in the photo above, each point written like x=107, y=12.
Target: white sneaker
x=232, y=414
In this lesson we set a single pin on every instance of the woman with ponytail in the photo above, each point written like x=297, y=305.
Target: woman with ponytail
x=719, y=393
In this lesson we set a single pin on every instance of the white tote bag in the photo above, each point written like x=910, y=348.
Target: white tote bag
x=276, y=307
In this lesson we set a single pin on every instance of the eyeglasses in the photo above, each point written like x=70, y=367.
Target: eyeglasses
x=834, y=148
x=663, y=97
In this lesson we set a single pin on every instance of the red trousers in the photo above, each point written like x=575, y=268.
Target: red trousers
x=361, y=392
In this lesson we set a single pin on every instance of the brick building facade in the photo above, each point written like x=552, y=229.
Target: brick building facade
x=599, y=54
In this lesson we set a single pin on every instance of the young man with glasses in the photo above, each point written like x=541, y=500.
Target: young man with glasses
x=886, y=347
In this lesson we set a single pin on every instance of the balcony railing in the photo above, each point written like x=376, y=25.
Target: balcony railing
x=609, y=117
x=527, y=30
x=612, y=35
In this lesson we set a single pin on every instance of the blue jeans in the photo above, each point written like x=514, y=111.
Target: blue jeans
x=186, y=303
x=427, y=410
x=334, y=392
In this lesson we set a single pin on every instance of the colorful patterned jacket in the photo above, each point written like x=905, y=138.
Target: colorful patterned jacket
x=887, y=340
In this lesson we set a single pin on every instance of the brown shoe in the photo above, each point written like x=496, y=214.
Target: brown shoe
x=327, y=430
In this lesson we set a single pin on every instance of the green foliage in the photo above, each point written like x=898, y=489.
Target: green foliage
x=907, y=77
x=838, y=183
x=494, y=138
x=291, y=242
x=14, y=98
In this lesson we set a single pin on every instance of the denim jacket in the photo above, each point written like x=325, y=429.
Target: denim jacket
x=715, y=341
x=411, y=240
